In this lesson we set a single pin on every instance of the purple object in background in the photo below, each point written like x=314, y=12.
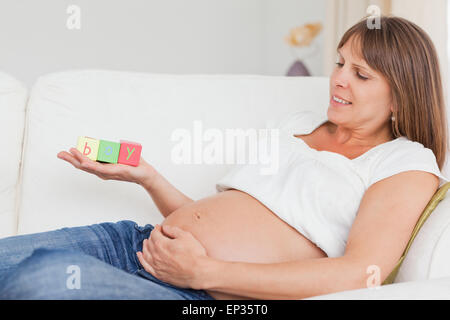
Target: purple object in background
x=298, y=69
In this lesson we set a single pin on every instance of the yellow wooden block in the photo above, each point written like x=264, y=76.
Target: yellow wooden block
x=88, y=147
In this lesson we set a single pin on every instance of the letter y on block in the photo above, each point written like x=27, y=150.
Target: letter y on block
x=130, y=153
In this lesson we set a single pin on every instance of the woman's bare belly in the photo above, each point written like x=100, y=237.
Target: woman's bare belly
x=234, y=226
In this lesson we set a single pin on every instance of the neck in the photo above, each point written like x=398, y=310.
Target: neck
x=353, y=139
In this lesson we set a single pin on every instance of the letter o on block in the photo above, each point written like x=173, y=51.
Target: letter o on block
x=108, y=151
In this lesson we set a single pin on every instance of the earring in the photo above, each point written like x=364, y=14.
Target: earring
x=392, y=118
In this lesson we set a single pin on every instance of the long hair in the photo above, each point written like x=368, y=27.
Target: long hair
x=405, y=55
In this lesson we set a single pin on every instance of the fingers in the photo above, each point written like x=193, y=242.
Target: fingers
x=157, y=242
x=69, y=158
x=147, y=250
x=146, y=256
x=102, y=168
x=151, y=249
x=172, y=231
x=145, y=264
x=84, y=161
x=74, y=157
x=156, y=236
x=80, y=161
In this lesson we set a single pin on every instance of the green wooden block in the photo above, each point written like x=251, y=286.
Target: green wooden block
x=108, y=151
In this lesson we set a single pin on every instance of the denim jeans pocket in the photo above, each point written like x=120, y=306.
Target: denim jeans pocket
x=144, y=229
x=142, y=233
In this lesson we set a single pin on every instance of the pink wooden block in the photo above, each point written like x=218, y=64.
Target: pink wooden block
x=130, y=153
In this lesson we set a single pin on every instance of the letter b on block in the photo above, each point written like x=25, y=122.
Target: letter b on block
x=88, y=147
x=130, y=153
x=108, y=151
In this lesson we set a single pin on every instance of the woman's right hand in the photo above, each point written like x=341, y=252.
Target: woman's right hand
x=143, y=173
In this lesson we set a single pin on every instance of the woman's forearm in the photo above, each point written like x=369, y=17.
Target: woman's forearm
x=286, y=280
x=166, y=197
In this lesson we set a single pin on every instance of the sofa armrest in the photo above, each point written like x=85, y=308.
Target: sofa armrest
x=434, y=289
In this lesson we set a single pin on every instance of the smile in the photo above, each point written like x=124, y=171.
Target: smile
x=341, y=100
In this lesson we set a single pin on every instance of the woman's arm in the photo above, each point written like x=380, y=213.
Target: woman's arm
x=166, y=197
x=286, y=280
x=382, y=228
x=175, y=256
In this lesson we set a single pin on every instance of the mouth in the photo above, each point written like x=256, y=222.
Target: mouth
x=339, y=101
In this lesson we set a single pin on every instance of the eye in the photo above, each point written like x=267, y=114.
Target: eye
x=340, y=65
x=360, y=76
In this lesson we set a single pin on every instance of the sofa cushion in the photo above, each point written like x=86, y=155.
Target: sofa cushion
x=440, y=195
x=13, y=97
x=428, y=256
x=145, y=108
x=435, y=289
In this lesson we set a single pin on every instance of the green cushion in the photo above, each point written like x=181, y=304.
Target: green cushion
x=437, y=197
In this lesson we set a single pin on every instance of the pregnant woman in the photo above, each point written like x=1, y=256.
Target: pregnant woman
x=350, y=187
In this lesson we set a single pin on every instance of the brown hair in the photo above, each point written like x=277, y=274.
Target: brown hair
x=405, y=55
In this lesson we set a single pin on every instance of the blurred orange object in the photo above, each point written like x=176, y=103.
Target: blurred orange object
x=303, y=35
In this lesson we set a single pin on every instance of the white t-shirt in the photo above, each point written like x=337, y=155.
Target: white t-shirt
x=318, y=192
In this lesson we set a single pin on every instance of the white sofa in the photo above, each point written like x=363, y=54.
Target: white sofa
x=39, y=192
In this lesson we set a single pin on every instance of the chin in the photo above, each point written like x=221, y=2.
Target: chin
x=335, y=116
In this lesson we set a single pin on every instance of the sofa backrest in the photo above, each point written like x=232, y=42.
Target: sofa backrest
x=145, y=108
x=13, y=98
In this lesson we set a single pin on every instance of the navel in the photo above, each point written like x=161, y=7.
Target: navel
x=196, y=215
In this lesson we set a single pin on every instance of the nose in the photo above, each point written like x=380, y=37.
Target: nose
x=340, y=78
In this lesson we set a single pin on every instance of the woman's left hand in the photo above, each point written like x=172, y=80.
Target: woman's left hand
x=173, y=256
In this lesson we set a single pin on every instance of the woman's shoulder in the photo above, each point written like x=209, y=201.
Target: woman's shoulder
x=404, y=148
x=403, y=145
x=403, y=154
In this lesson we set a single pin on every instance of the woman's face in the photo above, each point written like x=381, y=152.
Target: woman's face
x=368, y=91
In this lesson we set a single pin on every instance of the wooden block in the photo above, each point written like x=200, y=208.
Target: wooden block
x=130, y=153
x=88, y=146
x=108, y=151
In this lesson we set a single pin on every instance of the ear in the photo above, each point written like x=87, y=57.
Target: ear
x=392, y=105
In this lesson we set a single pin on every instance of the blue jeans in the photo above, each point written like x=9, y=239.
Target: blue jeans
x=92, y=262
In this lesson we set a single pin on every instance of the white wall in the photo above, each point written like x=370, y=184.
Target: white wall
x=281, y=16
x=432, y=19
x=162, y=36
